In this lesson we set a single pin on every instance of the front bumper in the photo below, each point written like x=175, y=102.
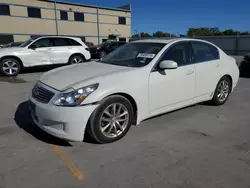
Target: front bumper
x=68, y=123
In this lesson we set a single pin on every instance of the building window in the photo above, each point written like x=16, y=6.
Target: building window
x=79, y=16
x=34, y=12
x=4, y=10
x=122, y=39
x=122, y=20
x=64, y=15
x=5, y=39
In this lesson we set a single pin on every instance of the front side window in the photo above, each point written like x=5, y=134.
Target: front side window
x=42, y=43
x=79, y=16
x=4, y=10
x=133, y=54
x=34, y=12
x=61, y=42
x=178, y=53
x=204, y=52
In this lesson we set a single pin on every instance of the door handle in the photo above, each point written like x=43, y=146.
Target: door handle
x=190, y=72
x=217, y=65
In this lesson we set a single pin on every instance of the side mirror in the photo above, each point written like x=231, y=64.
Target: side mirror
x=32, y=47
x=168, y=64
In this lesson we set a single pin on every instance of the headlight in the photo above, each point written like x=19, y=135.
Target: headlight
x=75, y=98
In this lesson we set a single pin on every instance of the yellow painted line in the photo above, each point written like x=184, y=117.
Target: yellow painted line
x=74, y=170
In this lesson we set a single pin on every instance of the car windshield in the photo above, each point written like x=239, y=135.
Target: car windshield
x=26, y=43
x=136, y=54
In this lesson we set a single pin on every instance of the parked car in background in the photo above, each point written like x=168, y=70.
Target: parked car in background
x=244, y=66
x=89, y=44
x=12, y=44
x=101, y=50
x=139, y=80
x=47, y=50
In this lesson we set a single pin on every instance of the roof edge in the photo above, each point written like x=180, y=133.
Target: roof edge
x=124, y=8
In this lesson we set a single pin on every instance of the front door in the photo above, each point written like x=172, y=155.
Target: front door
x=173, y=87
x=38, y=53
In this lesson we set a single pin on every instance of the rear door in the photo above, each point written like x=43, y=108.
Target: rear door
x=61, y=49
x=207, y=67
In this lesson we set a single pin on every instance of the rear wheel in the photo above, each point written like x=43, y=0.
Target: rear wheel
x=76, y=59
x=222, y=91
x=111, y=120
x=10, y=67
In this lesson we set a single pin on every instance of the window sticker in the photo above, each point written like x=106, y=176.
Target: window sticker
x=145, y=55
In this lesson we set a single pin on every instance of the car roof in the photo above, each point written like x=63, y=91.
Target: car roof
x=166, y=41
x=58, y=36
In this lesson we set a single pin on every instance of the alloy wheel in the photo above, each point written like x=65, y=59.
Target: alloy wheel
x=114, y=120
x=77, y=60
x=10, y=67
x=223, y=91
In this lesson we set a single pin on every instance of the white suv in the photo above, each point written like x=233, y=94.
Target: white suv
x=47, y=50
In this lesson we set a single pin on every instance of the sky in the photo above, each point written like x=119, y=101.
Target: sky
x=176, y=16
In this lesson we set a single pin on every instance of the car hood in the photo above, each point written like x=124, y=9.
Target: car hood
x=73, y=75
x=10, y=50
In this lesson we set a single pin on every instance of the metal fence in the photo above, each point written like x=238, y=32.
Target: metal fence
x=232, y=45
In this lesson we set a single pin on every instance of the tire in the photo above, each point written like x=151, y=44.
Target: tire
x=104, y=118
x=102, y=54
x=10, y=67
x=222, y=91
x=76, y=59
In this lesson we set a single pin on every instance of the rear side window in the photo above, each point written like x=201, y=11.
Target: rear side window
x=204, y=52
x=61, y=42
x=74, y=43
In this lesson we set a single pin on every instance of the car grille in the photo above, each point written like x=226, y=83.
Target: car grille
x=41, y=94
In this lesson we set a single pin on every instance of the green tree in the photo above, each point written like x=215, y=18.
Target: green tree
x=160, y=34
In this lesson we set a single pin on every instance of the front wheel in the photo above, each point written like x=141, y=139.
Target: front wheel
x=10, y=67
x=222, y=91
x=111, y=120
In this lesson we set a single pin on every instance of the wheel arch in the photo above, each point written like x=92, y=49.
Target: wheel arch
x=14, y=57
x=231, y=80
x=79, y=54
x=132, y=101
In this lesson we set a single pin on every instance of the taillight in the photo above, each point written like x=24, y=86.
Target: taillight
x=87, y=49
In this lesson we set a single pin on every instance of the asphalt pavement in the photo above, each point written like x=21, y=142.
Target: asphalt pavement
x=201, y=146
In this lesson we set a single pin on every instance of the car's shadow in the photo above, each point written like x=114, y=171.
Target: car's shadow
x=24, y=120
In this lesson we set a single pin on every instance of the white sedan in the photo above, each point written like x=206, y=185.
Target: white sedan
x=137, y=81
